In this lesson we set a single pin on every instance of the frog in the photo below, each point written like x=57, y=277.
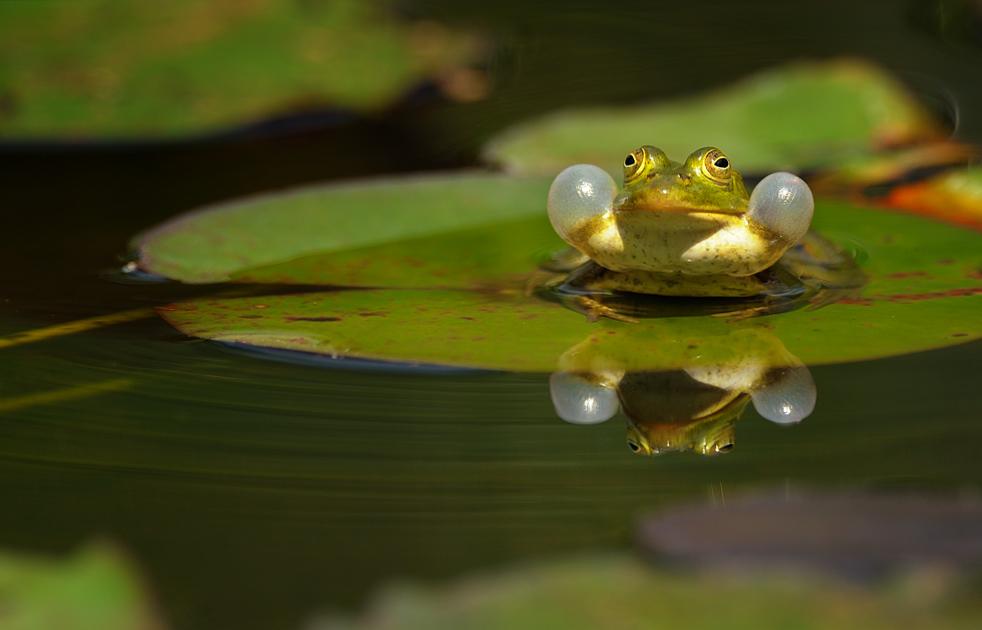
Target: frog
x=689, y=229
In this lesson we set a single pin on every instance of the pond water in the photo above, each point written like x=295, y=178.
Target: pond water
x=254, y=491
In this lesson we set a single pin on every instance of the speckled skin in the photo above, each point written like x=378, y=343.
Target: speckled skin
x=690, y=243
x=677, y=229
x=675, y=217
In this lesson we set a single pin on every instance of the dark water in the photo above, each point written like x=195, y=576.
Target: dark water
x=255, y=491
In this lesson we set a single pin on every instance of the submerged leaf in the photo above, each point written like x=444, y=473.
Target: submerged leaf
x=797, y=117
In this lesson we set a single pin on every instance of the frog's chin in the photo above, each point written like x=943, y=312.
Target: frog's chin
x=697, y=243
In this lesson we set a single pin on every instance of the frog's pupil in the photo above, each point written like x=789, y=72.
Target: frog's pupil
x=629, y=161
x=722, y=163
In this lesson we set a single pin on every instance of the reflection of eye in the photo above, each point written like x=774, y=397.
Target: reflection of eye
x=726, y=448
x=634, y=165
x=633, y=446
x=716, y=166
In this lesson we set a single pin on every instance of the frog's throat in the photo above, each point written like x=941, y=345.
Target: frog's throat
x=691, y=243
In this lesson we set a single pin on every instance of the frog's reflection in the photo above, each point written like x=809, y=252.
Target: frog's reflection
x=690, y=409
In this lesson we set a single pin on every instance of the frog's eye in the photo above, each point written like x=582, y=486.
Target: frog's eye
x=716, y=166
x=634, y=166
x=638, y=444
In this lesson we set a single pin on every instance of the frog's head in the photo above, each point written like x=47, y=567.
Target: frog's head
x=704, y=183
x=692, y=217
x=712, y=444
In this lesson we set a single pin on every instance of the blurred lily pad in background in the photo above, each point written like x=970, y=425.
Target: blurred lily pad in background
x=94, y=589
x=797, y=117
x=618, y=591
x=858, y=535
x=126, y=68
x=954, y=196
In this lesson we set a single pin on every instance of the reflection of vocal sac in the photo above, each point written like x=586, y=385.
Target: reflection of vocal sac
x=694, y=409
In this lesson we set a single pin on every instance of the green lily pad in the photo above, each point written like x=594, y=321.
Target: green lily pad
x=618, y=591
x=798, y=117
x=468, y=306
x=96, y=589
x=236, y=239
x=98, y=68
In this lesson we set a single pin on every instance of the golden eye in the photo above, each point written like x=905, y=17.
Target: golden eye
x=634, y=166
x=716, y=166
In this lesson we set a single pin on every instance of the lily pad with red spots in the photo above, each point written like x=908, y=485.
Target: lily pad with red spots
x=452, y=292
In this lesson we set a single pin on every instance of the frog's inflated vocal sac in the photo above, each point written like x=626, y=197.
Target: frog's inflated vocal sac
x=687, y=229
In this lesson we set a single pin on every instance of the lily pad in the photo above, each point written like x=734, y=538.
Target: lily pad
x=95, y=589
x=214, y=244
x=468, y=305
x=117, y=68
x=799, y=117
x=618, y=591
x=858, y=535
x=955, y=196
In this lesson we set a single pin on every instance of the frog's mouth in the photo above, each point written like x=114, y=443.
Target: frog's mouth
x=676, y=209
x=675, y=219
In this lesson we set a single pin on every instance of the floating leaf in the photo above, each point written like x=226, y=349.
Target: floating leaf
x=924, y=286
x=618, y=591
x=797, y=117
x=855, y=176
x=218, y=242
x=95, y=589
x=860, y=535
x=125, y=67
x=954, y=196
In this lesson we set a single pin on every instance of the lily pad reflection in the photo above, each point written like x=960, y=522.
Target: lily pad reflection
x=687, y=409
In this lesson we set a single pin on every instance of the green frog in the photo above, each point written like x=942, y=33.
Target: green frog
x=688, y=229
